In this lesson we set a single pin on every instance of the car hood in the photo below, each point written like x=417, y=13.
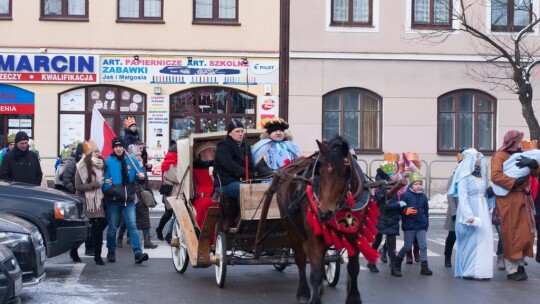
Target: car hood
x=10, y=223
x=29, y=190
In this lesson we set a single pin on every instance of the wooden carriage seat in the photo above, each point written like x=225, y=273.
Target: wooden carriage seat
x=251, y=196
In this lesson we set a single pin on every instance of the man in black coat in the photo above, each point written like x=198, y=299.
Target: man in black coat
x=20, y=164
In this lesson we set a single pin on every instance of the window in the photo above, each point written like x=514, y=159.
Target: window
x=356, y=115
x=352, y=12
x=140, y=10
x=209, y=109
x=466, y=118
x=510, y=15
x=75, y=10
x=215, y=11
x=5, y=9
x=432, y=14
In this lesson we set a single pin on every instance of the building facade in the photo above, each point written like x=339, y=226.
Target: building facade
x=177, y=67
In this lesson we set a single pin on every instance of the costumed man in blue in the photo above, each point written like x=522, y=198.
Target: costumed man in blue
x=275, y=148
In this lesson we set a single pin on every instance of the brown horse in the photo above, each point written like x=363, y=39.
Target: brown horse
x=311, y=192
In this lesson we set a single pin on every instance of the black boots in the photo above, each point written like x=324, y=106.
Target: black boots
x=111, y=257
x=75, y=255
x=383, y=252
x=159, y=234
x=141, y=257
x=447, y=261
x=425, y=269
x=396, y=270
x=372, y=267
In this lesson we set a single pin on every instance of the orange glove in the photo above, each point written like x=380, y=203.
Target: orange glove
x=411, y=211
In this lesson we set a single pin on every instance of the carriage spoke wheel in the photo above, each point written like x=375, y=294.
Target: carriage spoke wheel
x=179, y=254
x=221, y=254
x=332, y=269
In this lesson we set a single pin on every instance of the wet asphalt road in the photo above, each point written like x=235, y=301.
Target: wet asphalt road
x=156, y=281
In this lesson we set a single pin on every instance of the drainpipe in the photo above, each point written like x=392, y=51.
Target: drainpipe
x=284, y=35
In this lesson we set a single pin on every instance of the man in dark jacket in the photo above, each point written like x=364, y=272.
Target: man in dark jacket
x=230, y=162
x=121, y=174
x=71, y=169
x=20, y=164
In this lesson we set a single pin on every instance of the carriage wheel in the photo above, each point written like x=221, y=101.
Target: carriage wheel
x=221, y=253
x=179, y=254
x=280, y=267
x=332, y=269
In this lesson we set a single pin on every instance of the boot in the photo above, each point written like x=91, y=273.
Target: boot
x=383, y=252
x=97, y=255
x=447, y=261
x=521, y=270
x=75, y=255
x=111, y=257
x=416, y=253
x=372, y=267
x=159, y=234
x=500, y=262
x=397, y=264
x=425, y=269
x=141, y=257
x=409, y=257
x=119, y=241
x=393, y=269
x=148, y=244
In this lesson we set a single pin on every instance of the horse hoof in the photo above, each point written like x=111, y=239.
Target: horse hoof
x=303, y=300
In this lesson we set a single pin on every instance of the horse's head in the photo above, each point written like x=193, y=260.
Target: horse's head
x=334, y=169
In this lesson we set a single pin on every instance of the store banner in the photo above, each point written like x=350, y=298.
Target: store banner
x=157, y=130
x=190, y=70
x=14, y=100
x=41, y=68
x=267, y=107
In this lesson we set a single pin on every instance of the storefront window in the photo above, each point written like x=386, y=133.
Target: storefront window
x=209, y=109
x=16, y=112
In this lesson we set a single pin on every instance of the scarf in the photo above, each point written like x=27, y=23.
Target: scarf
x=18, y=153
x=93, y=197
x=124, y=170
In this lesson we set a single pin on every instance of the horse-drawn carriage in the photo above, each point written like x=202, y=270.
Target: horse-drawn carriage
x=243, y=243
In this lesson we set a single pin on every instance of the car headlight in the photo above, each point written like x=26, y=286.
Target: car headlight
x=65, y=210
x=12, y=239
x=37, y=239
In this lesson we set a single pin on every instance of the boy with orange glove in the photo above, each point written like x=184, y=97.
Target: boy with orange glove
x=415, y=221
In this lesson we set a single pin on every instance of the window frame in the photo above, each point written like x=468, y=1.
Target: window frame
x=215, y=20
x=509, y=27
x=8, y=15
x=140, y=19
x=350, y=23
x=361, y=92
x=431, y=24
x=476, y=94
x=64, y=16
x=197, y=115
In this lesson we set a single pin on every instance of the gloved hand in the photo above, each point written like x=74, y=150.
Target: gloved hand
x=524, y=161
x=402, y=204
x=519, y=181
x=410, y=211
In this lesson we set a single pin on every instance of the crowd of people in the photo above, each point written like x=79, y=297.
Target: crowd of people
x=112, y=187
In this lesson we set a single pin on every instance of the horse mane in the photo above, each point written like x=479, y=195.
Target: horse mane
x=338, y=151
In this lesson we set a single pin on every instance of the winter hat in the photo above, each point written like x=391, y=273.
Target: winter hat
x=173, y=148
x=21, y=135
x=233, y=124
x=118, y=141
x=204, y=146
x=78, y=152
x=89, y=146
x=274, y=124
x=128, y=122
x=133, y=150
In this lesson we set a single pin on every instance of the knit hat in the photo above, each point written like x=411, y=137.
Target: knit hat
x=21, y=135
x=415, y=176
x=133, y=150
x=204, y=146
x=173, y=148
x=128, y=122
x=233, y=124
x=89, y=146
x=274, y=124
x=118, y=141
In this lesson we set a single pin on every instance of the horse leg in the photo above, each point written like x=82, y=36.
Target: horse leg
x=353, y=268
x=303, y=292
x=316, y=259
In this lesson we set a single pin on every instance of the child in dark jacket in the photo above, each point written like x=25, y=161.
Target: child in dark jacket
x=415, y=221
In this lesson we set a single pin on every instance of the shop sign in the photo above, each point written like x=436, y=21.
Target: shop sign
x=157, y=130
x=181, y=70
x=33, y=68
x=267, y=107
x=14, y=100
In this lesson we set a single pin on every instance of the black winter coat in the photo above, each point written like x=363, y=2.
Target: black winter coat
x=131, y=137
x=69, y=175
x=419, y=221
x=390, y=214
x=142, y=211
x=230, y=164
x=24, y=169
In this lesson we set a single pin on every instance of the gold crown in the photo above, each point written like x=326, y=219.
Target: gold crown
x=129, y=121
x=529, y=145
x=11, y=138
x=412, y=156
x=391, y=158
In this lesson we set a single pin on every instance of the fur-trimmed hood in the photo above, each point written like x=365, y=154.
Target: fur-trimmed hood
x=288, y=136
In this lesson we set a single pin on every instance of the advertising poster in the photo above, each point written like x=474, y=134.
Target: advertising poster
x=71, y=129
x=192, y=70
x=72, y=100
x=157, y=130
x=267, y=107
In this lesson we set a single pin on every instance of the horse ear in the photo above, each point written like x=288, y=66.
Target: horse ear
x=322, y=147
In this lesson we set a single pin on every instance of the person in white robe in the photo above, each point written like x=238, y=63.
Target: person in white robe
x=474, y=234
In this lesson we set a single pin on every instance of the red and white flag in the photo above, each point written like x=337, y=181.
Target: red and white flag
x=101, y=133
